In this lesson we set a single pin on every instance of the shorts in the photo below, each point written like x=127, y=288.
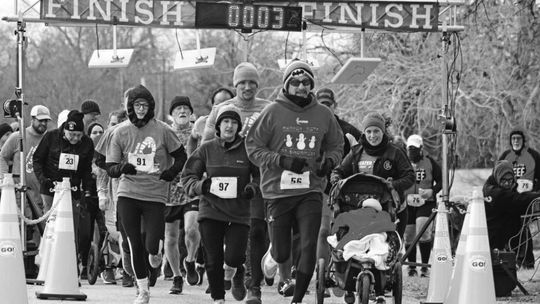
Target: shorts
x=176, y=212
x=423, y=211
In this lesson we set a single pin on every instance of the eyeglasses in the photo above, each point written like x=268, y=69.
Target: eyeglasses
x=141, y=105
x=296, y=82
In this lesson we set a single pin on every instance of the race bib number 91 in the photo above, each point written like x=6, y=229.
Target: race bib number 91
x=68, y=161
x=291, y=180
x=142, y=162
x=224, y=187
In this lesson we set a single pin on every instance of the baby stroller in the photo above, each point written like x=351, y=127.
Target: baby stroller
x=355, y=227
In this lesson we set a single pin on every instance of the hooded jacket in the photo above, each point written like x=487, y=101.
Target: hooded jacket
x=504, y=207
x=285, y=128
x=134, y=94
x=526, y=162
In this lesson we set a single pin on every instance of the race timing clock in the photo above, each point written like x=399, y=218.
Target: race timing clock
x=248, y=17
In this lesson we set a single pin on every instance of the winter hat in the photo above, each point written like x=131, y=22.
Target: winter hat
x=414, y=140
x=139, y=93
x=74, y=121
x=92, y=125
x=180, y=101
x=5, y=128
x=245, y=71
x=372, y=203
x=297, y=67
x=90, y=106
x=228, y=111
x=501, y=168
x=62, y=117
x=325, y=94
x=373, y=119
x=517, y=131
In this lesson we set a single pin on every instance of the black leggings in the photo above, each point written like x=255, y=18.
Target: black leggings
x=305, y=216
x=131, y=212
x=88, y=217
x=215, y=234
x=258, y=238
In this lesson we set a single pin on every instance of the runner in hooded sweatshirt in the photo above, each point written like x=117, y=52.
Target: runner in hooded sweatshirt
x=296, y=142
x=146, y=155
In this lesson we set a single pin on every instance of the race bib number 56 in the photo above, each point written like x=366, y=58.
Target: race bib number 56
x=291, y=180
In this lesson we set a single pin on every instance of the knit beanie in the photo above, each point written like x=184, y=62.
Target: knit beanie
x=373, y=119
x=325, y=95
x=90, y=106
x=297, y=68
x=245, y=71
x=228, y=111
x=74, y=121
x=4, y=128
x=501, y=168
x=180, y=101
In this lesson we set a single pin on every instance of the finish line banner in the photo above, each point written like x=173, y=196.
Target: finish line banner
x=402, y=16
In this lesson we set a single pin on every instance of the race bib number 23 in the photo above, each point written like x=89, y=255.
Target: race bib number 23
x=68, y=161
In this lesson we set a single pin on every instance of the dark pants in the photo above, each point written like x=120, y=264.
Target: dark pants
x=88, y=217
x=215, y=234
x=132, y=212
x=258, y=238
x=303, y=213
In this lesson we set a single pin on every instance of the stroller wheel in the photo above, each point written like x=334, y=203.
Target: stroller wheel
x=397, y=283
x=363, y=287
x=321, y=279
x=93, y=264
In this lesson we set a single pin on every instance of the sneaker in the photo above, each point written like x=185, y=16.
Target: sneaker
x=380, y=300
x=127, y=280
x=220, y=301
x=238, y=287
x=108, y=276
x=153, y=275
x=413, y=272
x=254, y=295
x=178, y=284
x=268, y=265
x=424, y=272
x=167, y=272
x=155, y=260
x=192, y=276
x=200, y=270
x=287, y=288
x=143, y=297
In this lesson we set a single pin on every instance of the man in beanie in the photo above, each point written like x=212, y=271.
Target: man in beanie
x=526, y=164
x=146, y=156
x=91, y=112
x=295, y=142
x=246, y=82
x=220, y=173
x=179, y=207
x=376, y=155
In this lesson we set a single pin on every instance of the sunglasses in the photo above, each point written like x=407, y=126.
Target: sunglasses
x=296, y=82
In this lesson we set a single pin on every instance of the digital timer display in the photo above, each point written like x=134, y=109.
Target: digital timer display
x=248, y=17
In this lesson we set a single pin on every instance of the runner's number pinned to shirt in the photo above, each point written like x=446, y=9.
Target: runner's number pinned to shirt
x=68, y=161
x=291, y=180
x=524, y=185
x=142, y=162
x=224, y=187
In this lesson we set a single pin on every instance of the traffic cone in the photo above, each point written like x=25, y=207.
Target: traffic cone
x=12, y=280
x=457, y=271
x=45, y=249
x=441, y=259
x=476, y=284
x=62, y=281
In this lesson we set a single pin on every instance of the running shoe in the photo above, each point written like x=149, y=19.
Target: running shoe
x=412, y=272
x=287, y=288
x=424, y=272
x=238, y=287
x=380, y=300
x=127, y=280
x=143, y=297
x=108, y=276
x=254, y=295
x=178, y=284
x=192, y=276
x=220, y=301
x=269, y=266
x=155, y=259
x=200, y=269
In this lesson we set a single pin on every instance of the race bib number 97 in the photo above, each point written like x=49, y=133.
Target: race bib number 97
x=291, y=180
x=224, y=187
x=68, y=161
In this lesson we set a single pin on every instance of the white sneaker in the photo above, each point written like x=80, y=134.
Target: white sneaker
x=268, y=265
x=155, y=260
x=143, y=297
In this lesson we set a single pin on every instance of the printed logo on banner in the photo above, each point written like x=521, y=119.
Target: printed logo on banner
x=7, y=249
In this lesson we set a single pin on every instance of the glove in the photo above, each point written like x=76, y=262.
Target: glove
x=389, y=183
x=167, y=175
x=325, y=168
x=128, y=168
x=48, y=185
x=205, y=189
x=250, y=190
x=293, y=164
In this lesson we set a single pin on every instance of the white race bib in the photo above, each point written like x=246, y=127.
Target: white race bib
x=524, y=185
x=68, y=161
x=142, y=162
x=224, y=187
x=415, y=200
x=291, y=180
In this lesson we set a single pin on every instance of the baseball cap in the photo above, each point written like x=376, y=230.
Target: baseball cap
x=414, y=140
x=40, y=112
x=325, y=94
